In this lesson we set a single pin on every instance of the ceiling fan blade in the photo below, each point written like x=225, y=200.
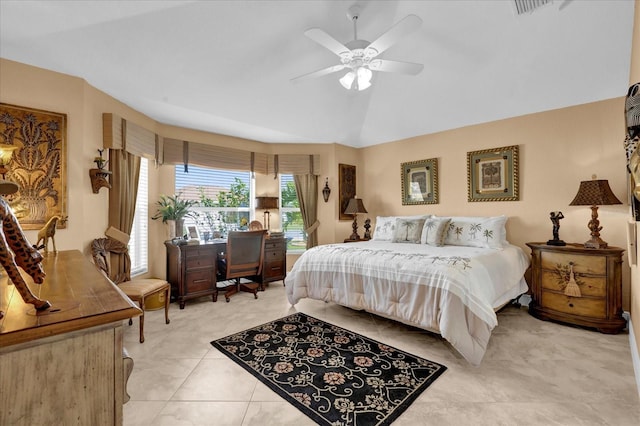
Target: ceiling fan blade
x=319, y=73
x=395, y=66
x=406, y=26
x=324, y=39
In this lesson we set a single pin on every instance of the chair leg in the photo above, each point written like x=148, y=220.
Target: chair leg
x=142, y=321
x=166, y=305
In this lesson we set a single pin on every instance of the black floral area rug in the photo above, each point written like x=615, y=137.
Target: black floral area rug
x=334, y=376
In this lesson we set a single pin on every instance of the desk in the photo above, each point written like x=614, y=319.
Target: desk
x=191, y=269
x=64, y=365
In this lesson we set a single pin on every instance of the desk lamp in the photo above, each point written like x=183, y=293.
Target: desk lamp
x=267, y=203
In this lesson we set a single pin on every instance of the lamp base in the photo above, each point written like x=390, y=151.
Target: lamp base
x=556, y=243
x=596, y=243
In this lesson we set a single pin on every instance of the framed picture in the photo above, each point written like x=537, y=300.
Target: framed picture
x=492, y=174
x=347, y=188
x=420, y=182
x=38, y=165
x=193, y=232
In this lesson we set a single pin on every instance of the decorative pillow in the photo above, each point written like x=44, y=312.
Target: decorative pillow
x=386, y=225
x=408, y=230
x=486, y=232
x=434, y=231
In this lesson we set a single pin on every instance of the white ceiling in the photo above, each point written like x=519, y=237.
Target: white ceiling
x=225, y=66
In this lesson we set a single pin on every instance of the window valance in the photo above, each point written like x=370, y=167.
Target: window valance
x=119, y=133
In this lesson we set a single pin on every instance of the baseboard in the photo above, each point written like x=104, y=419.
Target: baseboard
x=635, y=357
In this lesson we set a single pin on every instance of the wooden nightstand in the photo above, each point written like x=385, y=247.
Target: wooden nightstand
x=577, y=285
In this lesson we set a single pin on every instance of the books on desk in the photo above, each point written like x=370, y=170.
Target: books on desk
x=276, y=235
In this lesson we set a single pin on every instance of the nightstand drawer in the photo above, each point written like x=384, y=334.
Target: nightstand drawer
x=582, y=264
x=586, y=307
x=588, y=285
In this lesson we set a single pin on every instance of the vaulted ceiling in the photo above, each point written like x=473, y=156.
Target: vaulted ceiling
x=226, y=66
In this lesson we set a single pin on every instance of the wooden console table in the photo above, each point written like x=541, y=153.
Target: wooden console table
x=63, y=365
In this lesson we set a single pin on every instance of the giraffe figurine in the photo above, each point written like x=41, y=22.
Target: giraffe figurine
x=48, y=231
x=15, y=251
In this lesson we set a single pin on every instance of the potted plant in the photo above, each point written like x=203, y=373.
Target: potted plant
x=173, y=209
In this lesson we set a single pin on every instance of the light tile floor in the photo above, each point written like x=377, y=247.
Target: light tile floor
x=534, y=372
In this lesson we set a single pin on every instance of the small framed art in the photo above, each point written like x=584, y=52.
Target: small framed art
x=420, y=182
x=492, y=174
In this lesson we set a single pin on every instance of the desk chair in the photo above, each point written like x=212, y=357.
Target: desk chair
x=243, y=259
x=136, y=289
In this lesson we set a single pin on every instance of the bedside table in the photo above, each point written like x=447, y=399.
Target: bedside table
x=577, y=285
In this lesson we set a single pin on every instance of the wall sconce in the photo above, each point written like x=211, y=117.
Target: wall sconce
x=100, y=176
x=266, y=203
x=326, y=191
x=7, y=187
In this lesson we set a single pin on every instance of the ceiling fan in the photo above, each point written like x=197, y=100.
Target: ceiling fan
x=360, y=57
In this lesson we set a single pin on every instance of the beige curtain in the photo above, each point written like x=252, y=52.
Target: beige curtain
x=125, y=168
x=307, y=191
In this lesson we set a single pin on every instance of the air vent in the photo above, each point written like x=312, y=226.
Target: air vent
x=528, y=6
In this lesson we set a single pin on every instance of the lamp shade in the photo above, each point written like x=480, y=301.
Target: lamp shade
x=595, y=193
x=6, y=151
x=355, y=206
x=266, y=203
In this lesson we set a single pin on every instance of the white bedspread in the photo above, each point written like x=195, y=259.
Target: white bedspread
x=452, y=290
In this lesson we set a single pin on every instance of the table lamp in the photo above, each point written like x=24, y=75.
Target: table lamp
x=595, y=193
x=354, y=207
x=267, y=203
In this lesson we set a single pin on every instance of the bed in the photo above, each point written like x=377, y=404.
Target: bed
x=450, y=289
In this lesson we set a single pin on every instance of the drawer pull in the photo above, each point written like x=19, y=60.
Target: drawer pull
x=571, y=305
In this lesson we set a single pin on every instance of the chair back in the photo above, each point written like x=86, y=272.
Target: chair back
x=245, y=251
x=101, y=251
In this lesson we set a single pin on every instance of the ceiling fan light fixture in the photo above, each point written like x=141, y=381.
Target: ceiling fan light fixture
x=361, y=76
x=347, y=80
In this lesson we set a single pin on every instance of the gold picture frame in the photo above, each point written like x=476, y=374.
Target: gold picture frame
x=492, y=174
x=419, y=182
x=38, y=165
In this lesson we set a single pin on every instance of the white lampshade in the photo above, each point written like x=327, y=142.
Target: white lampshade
x=363, y=80
x=347, y=80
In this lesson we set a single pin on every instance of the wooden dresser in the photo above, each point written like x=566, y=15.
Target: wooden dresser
x=63, y=366
x=191, y=270
x=577, y=285
x=274, y=267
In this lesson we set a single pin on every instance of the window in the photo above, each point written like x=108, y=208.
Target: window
x=139, y=240
x=290, y=215
x=223, y=196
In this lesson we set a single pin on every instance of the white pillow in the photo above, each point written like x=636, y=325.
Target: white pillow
x=408, y=230
x=434, y=231
x=386, y=225
x=486, y=232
